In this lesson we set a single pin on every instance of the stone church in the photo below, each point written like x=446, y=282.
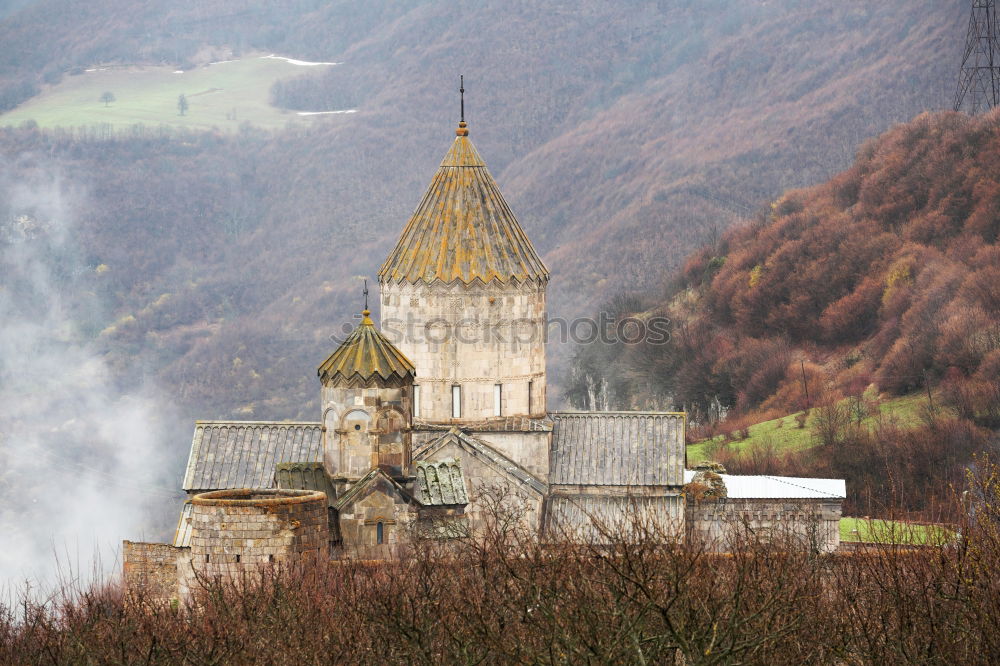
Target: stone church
x=443, y=405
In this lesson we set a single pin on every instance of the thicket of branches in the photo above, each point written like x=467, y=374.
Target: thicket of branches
x=502, y=598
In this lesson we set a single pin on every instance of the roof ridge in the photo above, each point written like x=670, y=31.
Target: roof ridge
x=784, y=479
x=276, y=423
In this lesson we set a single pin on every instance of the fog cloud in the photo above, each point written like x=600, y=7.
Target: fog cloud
x=83, y=457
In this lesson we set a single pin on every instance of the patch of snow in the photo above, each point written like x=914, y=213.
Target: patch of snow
x=325, y=113
x=178, y=71
x=219, y=62
x=97, y=69
x=303, y=63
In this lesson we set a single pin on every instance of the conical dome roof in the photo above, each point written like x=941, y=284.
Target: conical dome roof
x=463, y=228
x=366, y=353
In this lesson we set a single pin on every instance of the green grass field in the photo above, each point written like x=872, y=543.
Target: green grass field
x=222, y=95
x=888, y=531
x=785, y=435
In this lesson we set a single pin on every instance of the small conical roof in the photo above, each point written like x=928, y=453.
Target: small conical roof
x=365, y=353
x=463, y=228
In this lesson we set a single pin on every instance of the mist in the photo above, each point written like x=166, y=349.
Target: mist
x=84, y=458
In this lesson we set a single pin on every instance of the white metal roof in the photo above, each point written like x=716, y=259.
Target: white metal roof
x=778, y=487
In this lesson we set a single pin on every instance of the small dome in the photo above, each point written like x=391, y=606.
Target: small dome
x=364, y=354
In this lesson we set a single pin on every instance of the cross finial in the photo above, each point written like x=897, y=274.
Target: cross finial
x=461, y=90
x=366, y=293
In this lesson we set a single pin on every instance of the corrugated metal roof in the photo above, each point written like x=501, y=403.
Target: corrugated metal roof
x=182, y=536
x=365, y=353
x=617, y=448
x=740, y=486
x=463, y=229
x=242, y=454
x=484, y=452
x=440, y=483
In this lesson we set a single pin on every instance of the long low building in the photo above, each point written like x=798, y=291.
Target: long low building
x=723, y=508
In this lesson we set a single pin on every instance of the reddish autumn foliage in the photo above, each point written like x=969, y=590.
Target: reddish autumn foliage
x=888, y=273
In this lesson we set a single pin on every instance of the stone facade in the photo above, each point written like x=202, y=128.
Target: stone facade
x=813, y=523
x=151, y=571
x=487, y=474
x=236, y=531
x=365, y=426
x=475, y=336
x=374, y=517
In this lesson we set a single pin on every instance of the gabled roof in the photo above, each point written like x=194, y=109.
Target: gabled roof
x=463, y=229
x=484, y=452
x=493, y=424
x=440, y=483
x=375, y=476
x=242, y=454
x=364, y=354
x=739, y=486
x=617, y=448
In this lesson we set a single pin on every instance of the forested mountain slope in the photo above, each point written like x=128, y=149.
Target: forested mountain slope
x=889, y=273
x=621, y=134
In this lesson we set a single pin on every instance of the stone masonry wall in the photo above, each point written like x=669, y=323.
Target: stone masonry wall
x=814, y=523
x=151, y=570
x=239, y=530
x=366, y=426
x=474, y=336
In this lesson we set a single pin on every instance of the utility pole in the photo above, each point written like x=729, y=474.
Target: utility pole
x=805, y=386
x=930, y=399
x=979, y=77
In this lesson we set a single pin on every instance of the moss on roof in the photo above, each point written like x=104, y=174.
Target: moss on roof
x=463, y=229
x=366, y=353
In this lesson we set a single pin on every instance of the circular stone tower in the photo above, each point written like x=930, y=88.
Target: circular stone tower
x=463, y=297
x=239, y=530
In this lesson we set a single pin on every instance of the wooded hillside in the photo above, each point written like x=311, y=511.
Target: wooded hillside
x=622, y=136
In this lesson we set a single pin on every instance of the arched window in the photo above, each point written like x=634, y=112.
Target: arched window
x=379, y=533
x=356, y=419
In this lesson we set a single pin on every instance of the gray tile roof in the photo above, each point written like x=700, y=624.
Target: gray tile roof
x=304, y=476
x=617, y=449
x=242, y=454
x=440, y=483
x=483, y=451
